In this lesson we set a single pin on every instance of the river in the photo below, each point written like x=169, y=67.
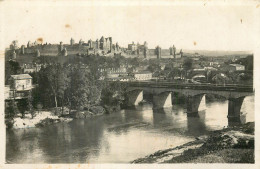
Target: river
x=119, y=137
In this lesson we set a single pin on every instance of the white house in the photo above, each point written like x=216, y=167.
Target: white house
x=144, y=75
x=20, y=82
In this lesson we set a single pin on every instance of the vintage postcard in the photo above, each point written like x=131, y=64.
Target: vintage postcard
x=129, y=84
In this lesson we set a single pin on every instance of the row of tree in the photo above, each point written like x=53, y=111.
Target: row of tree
x=67, y=85
x=75, y=86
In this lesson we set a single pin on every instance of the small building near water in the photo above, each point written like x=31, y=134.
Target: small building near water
x=19, y=87
x=20, y=82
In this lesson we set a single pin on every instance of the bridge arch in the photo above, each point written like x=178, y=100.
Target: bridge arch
x=134, y=97
x=162, y=100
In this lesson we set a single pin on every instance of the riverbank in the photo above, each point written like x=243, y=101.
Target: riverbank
x=54, y=115
x=40, y=119
x=230, y=145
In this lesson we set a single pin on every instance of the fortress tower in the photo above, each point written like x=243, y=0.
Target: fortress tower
x=72, y=41
x=90, y=44
x=22, y=49
x=174, y=51
x=158, y=51
x=38, y=54
x=145, y=49
x=64, y=52
x=97, y=44
x=110, y=44
x=13, y=55
x=60, y=47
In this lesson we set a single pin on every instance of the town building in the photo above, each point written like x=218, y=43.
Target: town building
x=213, y=63
x=116, y=74
x=121, y=69
x=121, y=78
x=144, y=75
x=236, y=67
x=132, y=47
x=30, y=68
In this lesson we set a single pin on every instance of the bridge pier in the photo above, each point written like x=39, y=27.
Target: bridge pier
x=202, y=105
x=235, y=116
x=162, y=100
x=135, y=97
x=193, y=103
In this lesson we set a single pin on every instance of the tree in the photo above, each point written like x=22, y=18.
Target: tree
x=135, y=62
x=174, y=73
x=11, y=68
x=52, y=84
x=221, y=78
x=11, y=109
x=250, y=62
x=113, y=94
x=187, y=64
x=78, y=89
x=154, y=66
x=22, y=106
x=39, y=107
x=30, y=104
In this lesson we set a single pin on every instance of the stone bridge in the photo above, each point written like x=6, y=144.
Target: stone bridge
x=162, y=95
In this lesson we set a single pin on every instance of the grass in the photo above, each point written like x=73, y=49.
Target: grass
x=226, y=156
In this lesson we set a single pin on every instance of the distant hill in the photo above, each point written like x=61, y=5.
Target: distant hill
x=216, y=53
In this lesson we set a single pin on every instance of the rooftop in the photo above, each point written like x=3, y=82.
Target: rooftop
x=236, y=65
x=21, y=76
x=143, y=72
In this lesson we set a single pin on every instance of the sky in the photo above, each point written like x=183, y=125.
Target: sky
x=202, y=27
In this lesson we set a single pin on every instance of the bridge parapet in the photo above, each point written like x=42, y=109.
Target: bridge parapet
x=226, y=87
x=191, y=92
x=227, y=91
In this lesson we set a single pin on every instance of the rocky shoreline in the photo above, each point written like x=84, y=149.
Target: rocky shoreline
x=56, y=115
x=40, y=119
x=230, y=145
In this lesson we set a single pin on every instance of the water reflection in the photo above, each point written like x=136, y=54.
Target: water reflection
x=73, y=142
x=196, y=125
x=23, y=144
x=119, y=137
x=162, y=117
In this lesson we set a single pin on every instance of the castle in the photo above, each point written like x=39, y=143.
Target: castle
x=102, y=46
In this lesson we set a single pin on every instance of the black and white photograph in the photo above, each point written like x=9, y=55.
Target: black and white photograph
x=129, y=82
